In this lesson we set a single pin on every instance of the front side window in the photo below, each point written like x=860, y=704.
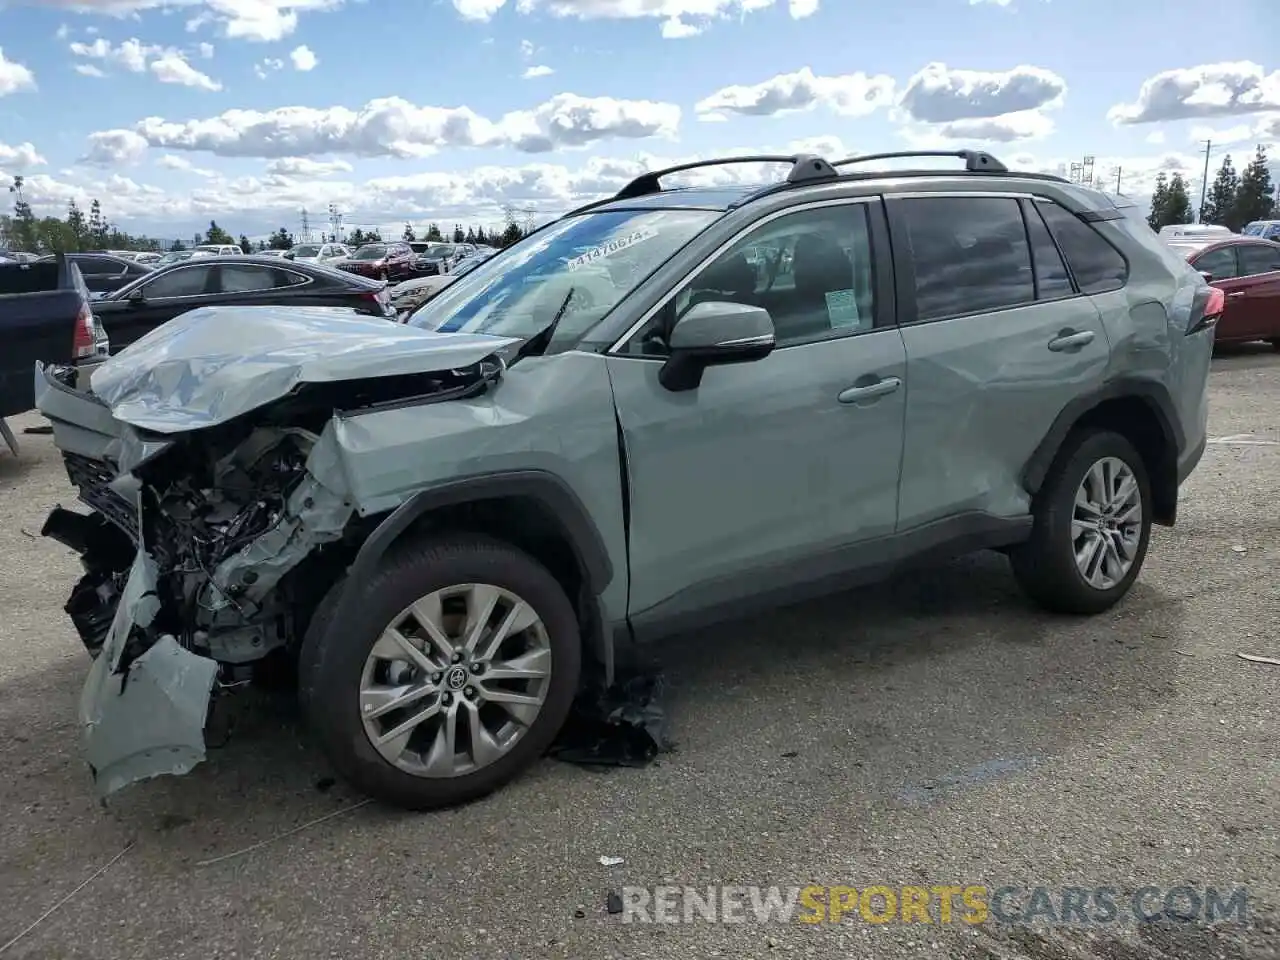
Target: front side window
x=1255, y=258
x=185, y=282
x=810, y=269
x=307, y=250
x=1098, y=267
x=371, y=251
x=577, y=269
x=1220, y=263
x=970, y=255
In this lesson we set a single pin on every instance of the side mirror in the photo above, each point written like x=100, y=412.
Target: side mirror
x=713, y=333
x=136, y=296
x=1208, y=277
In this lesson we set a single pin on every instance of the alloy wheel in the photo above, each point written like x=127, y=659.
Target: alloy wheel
x=1106, y=523
x=455, y=680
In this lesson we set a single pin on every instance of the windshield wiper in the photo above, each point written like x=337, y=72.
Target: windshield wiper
x=537, y=345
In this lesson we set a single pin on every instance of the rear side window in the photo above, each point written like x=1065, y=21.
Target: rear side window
x=1096, y=265
x=1256, y=258
x=1053, y=281
x=970, y=255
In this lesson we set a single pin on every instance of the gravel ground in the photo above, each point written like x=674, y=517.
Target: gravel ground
x=933, y=731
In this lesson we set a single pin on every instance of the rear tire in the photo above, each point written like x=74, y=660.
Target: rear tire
x=1087, y=545
x=349, y=681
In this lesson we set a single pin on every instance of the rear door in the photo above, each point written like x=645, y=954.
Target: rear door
x=999, y=340
x=1223, y=265
x=262, y=284
x=1260, y=297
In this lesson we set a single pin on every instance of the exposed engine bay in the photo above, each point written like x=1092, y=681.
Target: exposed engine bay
x=208, y=548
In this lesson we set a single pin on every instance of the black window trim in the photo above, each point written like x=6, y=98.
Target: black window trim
x=1088, y=220
x=904, y=259
x=882, y=276
x=1029, y=210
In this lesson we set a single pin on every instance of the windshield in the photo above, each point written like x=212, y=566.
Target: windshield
x=585, y=264
x=438, y=250
x=371, y=251
x=176, y=256
x=306, y=250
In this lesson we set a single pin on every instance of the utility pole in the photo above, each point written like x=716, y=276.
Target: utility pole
x=1119, y=170
x=1204, y=184
x=306, y=226
x=335, y=222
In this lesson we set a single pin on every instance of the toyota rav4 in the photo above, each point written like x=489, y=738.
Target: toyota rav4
x=666, y=408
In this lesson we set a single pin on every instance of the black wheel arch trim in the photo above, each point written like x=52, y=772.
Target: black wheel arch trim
x=1153, y=394
x=543, y=486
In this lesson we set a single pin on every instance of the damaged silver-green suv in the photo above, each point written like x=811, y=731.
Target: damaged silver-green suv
x=662, y=409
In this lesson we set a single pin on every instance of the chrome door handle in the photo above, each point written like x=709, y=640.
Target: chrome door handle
x=871, y=390
x=1238, y=293
x=1067, y=341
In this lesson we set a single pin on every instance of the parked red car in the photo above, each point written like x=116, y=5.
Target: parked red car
x=1247, y=270
x=381, y=261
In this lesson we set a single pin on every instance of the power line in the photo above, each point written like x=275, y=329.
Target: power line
x=306, y=225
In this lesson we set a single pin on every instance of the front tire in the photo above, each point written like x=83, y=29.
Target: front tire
x=1092, y=526
x=459, y=675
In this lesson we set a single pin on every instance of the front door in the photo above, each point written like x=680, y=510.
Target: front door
x=163, y=297
x=769, y=474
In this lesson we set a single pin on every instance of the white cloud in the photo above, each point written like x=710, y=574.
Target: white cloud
x=62, y=32
x=303, y=58
x=537, y=71
x=680, y=18
x=678, y=29
x=1209, y=90
x=171, y=162
x=89, y=70
x=254, y=20
x=269, y=65
x=14, y=76
x=206, y=50
x=478, y=9
x=1265, y=129
x=305, y=167
x=20, y=157
x=175, y=69
x=132, y=54
x=1155, y=137
x=114, y=147
x=394, y=127
x=854, y=94
x=940, y=94
x=527, y=49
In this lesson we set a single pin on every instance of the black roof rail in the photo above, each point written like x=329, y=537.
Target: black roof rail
x=975, y=161
x=804, y=167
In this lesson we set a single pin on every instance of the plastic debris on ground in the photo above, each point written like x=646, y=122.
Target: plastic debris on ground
x=619, y=726
x=611, y=861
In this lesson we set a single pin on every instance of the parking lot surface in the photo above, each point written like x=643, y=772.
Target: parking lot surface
x=937, y=730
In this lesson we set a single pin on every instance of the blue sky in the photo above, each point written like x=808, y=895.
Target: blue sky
x=175, y=111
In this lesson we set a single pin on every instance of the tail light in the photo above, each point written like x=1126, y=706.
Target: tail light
x=84, y=343
x=1214, y=304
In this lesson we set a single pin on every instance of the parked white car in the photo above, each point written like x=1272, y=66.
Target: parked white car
x=321, y=253
x=221, y=249
x=1194, y=231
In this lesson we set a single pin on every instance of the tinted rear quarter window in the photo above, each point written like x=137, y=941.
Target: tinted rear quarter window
x=1096, y=265
x=970, y=255
x=1052, y=279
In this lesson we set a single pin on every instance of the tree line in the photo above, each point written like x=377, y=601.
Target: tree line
x=79, y=232
x=1232, y=200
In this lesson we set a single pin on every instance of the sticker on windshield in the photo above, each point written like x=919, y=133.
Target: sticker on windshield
x=842, y=309
x=610, y=248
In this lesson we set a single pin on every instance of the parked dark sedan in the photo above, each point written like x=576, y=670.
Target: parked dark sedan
x=1247, y=269
x=381, y=261
x=105, y=272
x=437, y=259
x=139, y=308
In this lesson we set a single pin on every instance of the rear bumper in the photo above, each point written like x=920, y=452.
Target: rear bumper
x=1190, y=459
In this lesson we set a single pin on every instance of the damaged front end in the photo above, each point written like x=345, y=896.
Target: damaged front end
x=205, y=551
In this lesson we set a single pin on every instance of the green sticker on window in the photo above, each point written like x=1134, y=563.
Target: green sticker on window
x=842, y=309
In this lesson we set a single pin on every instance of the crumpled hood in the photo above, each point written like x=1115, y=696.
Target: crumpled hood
x=213, y=364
